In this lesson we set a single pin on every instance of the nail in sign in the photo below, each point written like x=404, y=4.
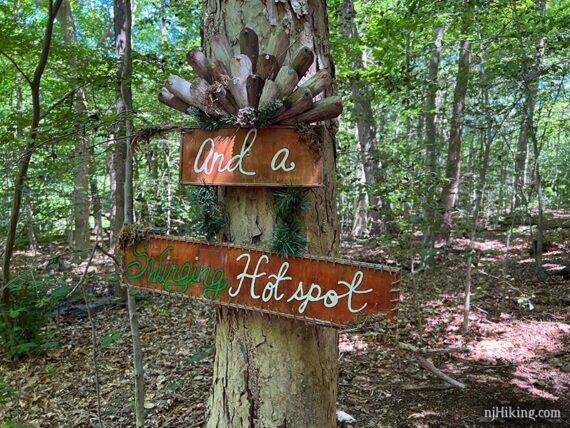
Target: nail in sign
x=328, y=291
x=273, y=156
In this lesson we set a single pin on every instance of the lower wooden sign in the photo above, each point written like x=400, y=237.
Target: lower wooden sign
x=321, y=290
x=272, y=156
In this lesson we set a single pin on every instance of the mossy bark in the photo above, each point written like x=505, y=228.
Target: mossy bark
x=271, y=371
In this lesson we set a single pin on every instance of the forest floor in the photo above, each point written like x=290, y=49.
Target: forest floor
x=517, y=357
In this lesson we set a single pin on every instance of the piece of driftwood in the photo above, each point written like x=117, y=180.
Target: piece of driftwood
x=269, y=93
x=221, y=98
x=292, y=110
x=278, y=45
x=228, y=83
x=254, y=85
x=219, y=71
x=241, y=67
x=297, y=95
x=238, y=91
x=221, y=50
x=327, y=108
x=286, y=80
x=249, y=45
x=302, y=61
x=168, y=98
x=266, y=67
x=317, y=83
x=199, y=90
x=200, y=64
x=179, y=87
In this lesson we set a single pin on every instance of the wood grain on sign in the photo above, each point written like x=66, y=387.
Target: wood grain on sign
x=321, y=290
x=273, y=156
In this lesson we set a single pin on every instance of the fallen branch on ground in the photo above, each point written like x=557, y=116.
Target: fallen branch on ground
x=426, y=387
x=430, y=351
x=428, y=365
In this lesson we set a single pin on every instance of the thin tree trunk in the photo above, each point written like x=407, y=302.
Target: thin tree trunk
x=360, y=224
x=96, y=199
x=124, y=110
x=81, y=153
x=30, y=227
x=453, y=170
x=21, y=176
x=488, y=137
x=539, y=239
x=271, y=371
x=125, y=106
x=531, y=74
x=430, y=111
x=365, y=123
x=531, y=89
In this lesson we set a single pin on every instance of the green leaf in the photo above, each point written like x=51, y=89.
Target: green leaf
x=110, y=338
x=199, y=354
x=62, y=291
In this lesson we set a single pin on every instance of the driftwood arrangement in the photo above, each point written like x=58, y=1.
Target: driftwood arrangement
x=246, y=86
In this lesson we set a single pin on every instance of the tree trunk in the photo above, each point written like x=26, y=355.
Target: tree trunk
x=531, y=73
x=365, y=123
x=453, y=170
x=532, y=91
x=488, y=137
x=430, y=110
x=30, y=227
x=271, y=371
x=81, y=153
x=124, y=111
x=95, y=198
x=360, y=223
x=22, y=174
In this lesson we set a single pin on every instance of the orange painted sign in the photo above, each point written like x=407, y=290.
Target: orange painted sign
x=273, y=156
x=321, y=290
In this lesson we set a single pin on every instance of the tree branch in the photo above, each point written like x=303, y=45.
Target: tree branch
x=60, y=100
x=15, y=64
x=52, y=10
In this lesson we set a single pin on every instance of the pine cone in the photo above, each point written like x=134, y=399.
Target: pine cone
x=246, y=117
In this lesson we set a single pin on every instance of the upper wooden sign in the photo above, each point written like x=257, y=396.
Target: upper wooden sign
x=321, y=290
x=272, y=156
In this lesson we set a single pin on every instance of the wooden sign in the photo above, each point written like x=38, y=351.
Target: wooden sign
x=273, y=156
x=321, y=290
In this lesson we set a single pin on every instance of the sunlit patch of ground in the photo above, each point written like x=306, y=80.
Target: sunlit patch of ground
x=518, y=341
x=530, y=347
x=351, y=343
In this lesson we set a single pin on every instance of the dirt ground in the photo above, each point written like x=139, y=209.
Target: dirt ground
x=516, y=361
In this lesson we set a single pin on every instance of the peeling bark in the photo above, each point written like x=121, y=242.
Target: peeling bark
x=271, y=371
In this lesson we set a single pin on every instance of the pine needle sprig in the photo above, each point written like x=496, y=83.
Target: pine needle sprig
x=290, y=200
x=265, y=116
x=208, y=123
x=211, y=218
x=287, y=239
